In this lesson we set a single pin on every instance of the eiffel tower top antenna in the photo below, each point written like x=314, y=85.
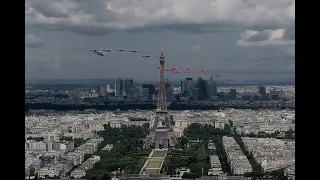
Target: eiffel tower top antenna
x=162, y=50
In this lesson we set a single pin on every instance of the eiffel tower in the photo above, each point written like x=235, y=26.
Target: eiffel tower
x=161, y=132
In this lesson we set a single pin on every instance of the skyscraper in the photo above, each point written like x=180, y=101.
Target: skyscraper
x=233, y=93
x=167, y=84
x=187, y=87
x=151, y=87
x=169, y=91
x=118, y=87
x=128, y=83
x=262, y=90
x=108, y=88
x=134, y=94
x=145, y=94
x=201, y=85
x=215, y=89
x=169, y=95
x=212, y=87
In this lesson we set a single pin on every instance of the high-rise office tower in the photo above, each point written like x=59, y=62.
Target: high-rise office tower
x=187, y=87
x=212, y=88
x=118, y=87
x=170, y=96
x=167, y=84
x=169, y=91
x=233, y=93
x=201, y=85
x=134, y=94
x=262, y=90
x=151, y=87
x=145, y=92
x=195, y=94
x=215, y=89
x=108, y=88
x=127, y=84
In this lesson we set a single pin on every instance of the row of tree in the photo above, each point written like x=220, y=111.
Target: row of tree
x=38, y=139
x=77, y=141
x=195, y=157
x=205, y=132
x=261, y=134
x=173, y=106
x=194, y=154
x=138, y=119
x=256, y=167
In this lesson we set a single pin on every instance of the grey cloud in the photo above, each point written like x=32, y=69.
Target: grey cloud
x=101, y=17
x=275, y=37
x=180, y=26
x=260, y=36
x=271, y=58
x=33, y=41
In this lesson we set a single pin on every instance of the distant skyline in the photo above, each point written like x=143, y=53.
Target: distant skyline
x=230, y=37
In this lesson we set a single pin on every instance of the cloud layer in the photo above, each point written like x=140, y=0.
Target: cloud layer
x=102, y=16
x=267, y=37
x=218, y=35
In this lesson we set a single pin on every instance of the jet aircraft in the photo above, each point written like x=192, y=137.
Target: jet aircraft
x=97, y=52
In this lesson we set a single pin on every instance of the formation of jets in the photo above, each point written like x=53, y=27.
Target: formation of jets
x=97, y=52
x=146, y=56
x=103, y=52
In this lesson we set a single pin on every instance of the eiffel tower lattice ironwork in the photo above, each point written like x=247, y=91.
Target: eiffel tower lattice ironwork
x=161, y=131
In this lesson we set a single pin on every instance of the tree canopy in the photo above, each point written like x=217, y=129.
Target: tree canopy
x=126, y=154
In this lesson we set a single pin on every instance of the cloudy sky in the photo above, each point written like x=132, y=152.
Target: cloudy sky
x=237, y=38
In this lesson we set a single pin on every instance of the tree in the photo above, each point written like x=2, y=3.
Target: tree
x=146, y=125
x=38, y=139
x=87, y=156
x=30, y=138
x=183, y=142
x=65, y=138
x=252, y=134
x=78, y=142
x=126, y=154
x=257, y=173
x=32, y=170
x=231, y=123
x=190, y=175
x=106, y=176
x=290, y=131
x=227, y=129
x=137, y=119
x=107, y=126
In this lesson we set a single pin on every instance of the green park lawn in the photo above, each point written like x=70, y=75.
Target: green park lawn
x=153, y=171
x=158, y=154
x=154, y=164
